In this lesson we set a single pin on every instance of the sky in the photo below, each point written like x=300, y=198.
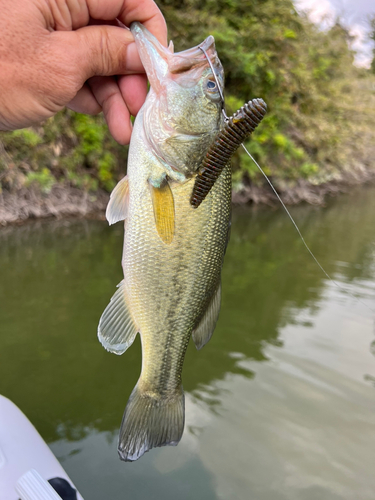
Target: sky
x=355, y=15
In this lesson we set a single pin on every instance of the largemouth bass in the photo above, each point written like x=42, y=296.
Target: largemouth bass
x=173, y=253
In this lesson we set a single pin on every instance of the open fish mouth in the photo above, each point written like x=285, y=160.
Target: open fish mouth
x=158, y=60
x=187, y=59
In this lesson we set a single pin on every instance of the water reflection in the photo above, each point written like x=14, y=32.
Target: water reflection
x=300, y=425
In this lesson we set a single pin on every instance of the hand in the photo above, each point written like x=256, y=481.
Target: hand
x=57, y=53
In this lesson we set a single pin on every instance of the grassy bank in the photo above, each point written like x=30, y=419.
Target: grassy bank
x=318, y=135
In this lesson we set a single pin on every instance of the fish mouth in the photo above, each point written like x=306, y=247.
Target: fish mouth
x=160, y=61
x=190, y=58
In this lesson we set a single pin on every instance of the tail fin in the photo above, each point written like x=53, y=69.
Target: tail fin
x=150, y=421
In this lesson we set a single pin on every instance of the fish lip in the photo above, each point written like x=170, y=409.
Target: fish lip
x=195, y=56
x=177, y=62
x=137, y=29
x=194, y=52
x=197, y=52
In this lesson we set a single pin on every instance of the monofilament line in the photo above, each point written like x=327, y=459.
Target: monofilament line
x=217, y=83
x=343, y=289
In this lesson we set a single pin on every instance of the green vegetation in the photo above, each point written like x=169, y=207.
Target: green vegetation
x=71, y=148
x=321, y=109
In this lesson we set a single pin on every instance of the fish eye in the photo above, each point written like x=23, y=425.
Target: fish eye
x=211, y=89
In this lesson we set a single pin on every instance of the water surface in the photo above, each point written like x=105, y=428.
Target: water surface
x=280, y=405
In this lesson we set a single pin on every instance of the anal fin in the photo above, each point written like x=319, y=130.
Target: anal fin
x=163, y=205
x=117, y=330
x=117, y=208
x=205, y=328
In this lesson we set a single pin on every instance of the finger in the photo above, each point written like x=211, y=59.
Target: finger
x=134, y=90
x=127, y=11
x=100, y=50
x=147, y=13
x=109, y=97
x=85, y=102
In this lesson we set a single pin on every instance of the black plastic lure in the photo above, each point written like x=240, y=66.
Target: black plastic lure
x=235, y=131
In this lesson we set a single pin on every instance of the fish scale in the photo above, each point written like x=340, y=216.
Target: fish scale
x=150, y=265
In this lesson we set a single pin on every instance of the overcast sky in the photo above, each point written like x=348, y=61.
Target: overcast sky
x=355, y=14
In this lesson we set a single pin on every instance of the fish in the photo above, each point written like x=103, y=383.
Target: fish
x=173, y=253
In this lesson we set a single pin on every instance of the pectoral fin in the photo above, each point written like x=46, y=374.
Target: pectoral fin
x=203, y=332
x=163, y=204
x=117, y=208
x=117, y=330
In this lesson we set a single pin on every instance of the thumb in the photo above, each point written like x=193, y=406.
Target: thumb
x=104, y=51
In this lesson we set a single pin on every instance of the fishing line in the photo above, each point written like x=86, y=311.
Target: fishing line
x=235, y=131
x=217, y=83
x=226, y=119
x=343, y=289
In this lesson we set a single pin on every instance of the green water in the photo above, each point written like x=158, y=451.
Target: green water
x=280, y=405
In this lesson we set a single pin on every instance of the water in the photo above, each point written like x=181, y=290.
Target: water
x=279, y=405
